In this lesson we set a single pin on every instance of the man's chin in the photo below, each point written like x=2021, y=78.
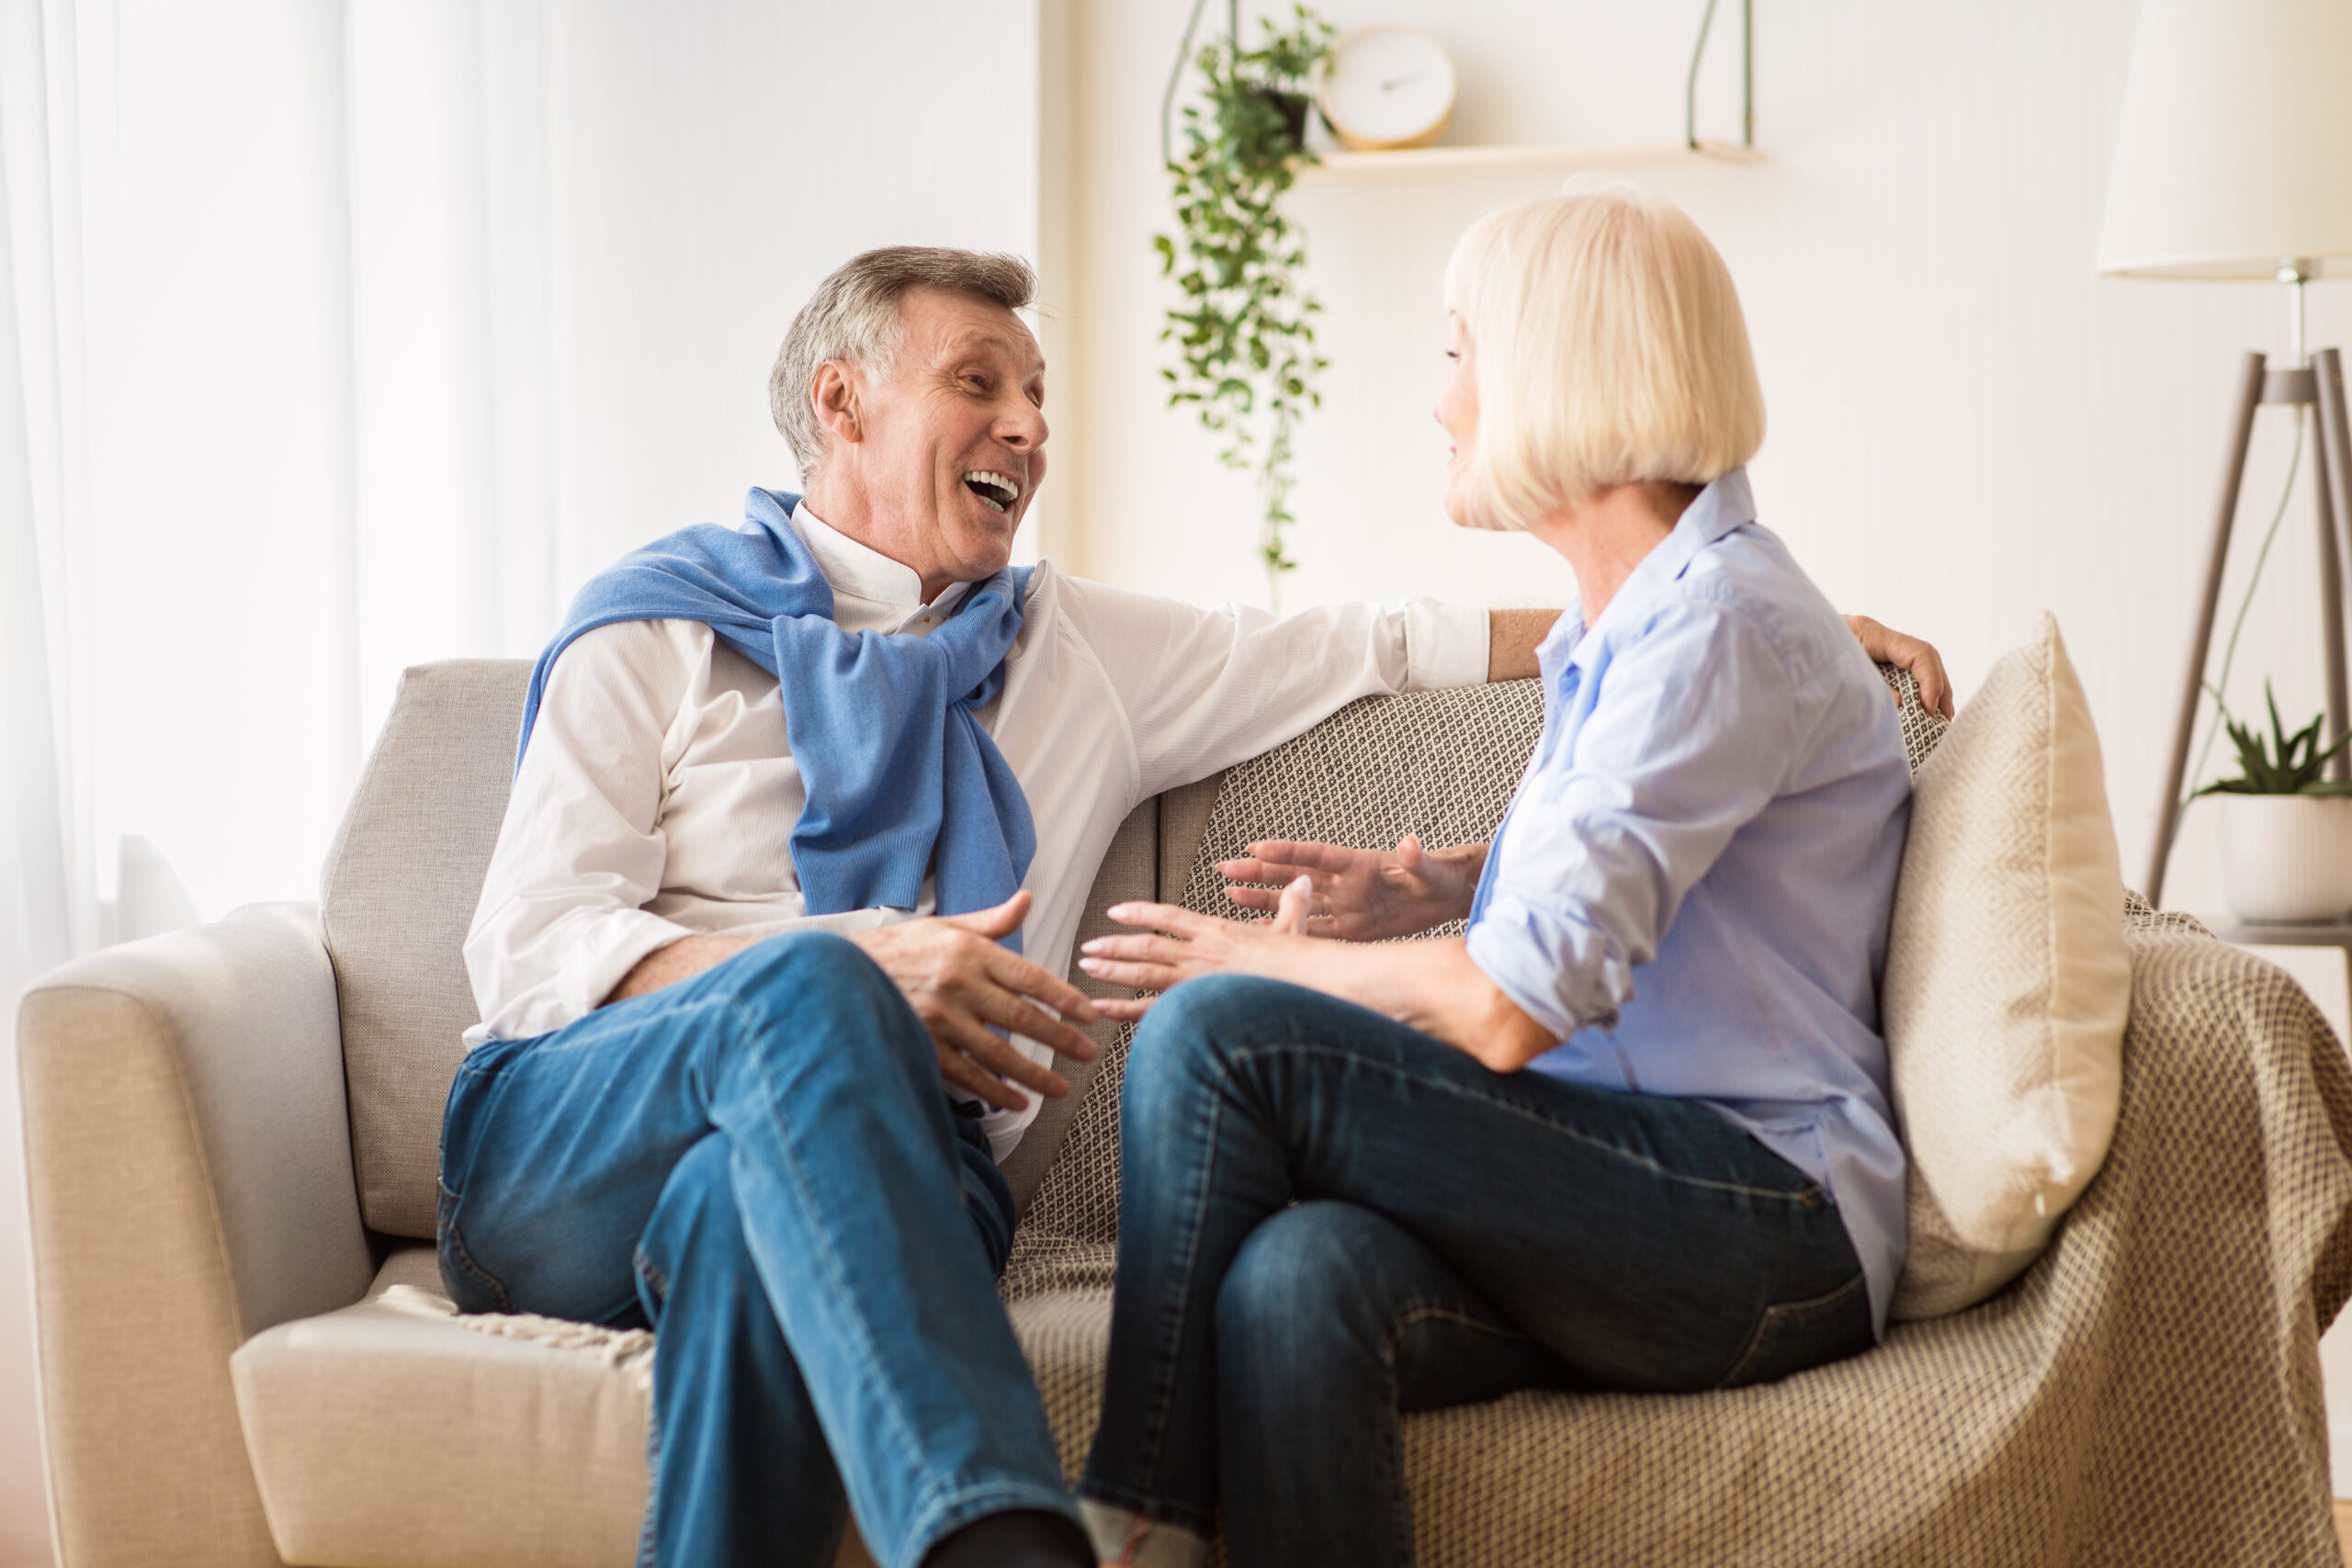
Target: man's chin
x=981, y=559
x=985, y=542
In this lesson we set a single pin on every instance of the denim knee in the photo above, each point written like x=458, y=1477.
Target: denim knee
x=1305, y=1295
x=1189, y=1035
x=771, y=985
x=774, y=968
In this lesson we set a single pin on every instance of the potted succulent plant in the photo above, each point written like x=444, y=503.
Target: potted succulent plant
x=2286, y=830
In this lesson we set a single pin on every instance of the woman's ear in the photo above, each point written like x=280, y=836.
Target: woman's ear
x=835, y=397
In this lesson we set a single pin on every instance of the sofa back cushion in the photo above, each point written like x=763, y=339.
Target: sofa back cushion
x=396, y=899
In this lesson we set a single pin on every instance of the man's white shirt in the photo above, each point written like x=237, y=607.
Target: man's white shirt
x=658, y=795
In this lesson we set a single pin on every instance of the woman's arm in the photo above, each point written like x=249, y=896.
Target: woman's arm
x=1432, y=985
x=1373, y=895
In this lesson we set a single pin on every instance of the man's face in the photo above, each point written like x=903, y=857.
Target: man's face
x=951, y=438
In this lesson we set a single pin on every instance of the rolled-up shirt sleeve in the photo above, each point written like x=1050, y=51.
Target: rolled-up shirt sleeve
x=1687, y=739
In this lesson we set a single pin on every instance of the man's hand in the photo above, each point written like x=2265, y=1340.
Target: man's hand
x=1362, y=894
x=959, y=981
x=1926, y=666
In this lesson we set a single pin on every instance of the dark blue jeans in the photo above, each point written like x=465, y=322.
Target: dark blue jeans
x=1327, y=1218
x=758, y=1161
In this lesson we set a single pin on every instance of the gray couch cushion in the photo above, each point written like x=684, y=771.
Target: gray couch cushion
x=395, y=901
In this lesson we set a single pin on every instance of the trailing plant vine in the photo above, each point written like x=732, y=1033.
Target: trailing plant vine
x=1245, y=333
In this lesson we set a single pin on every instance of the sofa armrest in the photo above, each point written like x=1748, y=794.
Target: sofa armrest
x=188, y=1168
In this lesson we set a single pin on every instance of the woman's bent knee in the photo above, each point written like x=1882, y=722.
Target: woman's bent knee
x=1307, y=1287
x=1190, y=1034
x=1209, y=1006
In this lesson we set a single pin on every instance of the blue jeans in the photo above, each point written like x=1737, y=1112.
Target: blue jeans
x=1327, y=1218
x=761, y=1163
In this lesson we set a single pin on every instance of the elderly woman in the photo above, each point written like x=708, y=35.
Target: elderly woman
x=1630, y=1132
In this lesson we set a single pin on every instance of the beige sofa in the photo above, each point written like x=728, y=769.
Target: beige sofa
x=246, y=1356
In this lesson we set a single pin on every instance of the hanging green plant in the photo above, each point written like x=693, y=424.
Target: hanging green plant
x=1245, y=332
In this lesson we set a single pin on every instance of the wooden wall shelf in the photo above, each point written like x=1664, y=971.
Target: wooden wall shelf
x=1509, y=158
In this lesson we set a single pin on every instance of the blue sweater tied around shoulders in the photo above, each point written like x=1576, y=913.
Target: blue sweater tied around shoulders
x=902, y=780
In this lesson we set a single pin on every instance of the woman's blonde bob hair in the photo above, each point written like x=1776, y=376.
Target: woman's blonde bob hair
x=1608, y=348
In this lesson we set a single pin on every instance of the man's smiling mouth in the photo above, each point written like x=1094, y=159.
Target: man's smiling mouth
x=1000, y=490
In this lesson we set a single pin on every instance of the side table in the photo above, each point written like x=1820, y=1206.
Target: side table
x=2298, y=933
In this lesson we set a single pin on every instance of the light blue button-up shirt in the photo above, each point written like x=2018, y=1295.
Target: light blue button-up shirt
x=1692, y=888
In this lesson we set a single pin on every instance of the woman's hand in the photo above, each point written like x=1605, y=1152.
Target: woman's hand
x=1362, y=894
x=1182, y=945
x=1886, y=645
x=1433, y=985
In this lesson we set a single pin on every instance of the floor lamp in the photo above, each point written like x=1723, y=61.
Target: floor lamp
x=2234, y=162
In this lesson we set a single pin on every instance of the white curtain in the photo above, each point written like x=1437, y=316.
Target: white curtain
x=339, y=335
x=307, y=416
x=47, y=910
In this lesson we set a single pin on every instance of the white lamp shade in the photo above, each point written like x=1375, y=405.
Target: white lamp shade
x=2235, y=148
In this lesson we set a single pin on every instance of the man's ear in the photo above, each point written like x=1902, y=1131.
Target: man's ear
x=835, y=397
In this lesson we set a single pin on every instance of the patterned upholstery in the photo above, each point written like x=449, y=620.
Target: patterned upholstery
x=2147, y=1392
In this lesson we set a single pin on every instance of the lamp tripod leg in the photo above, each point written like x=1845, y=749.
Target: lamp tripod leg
x=2216, y=562
x=2331, y=584
x=2333, y=445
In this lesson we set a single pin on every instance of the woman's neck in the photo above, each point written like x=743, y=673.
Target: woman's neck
x=1604, y=536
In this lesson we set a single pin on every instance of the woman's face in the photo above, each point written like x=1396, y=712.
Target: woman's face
x=1457, y=411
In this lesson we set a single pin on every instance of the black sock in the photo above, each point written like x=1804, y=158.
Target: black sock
x=1025, y=1537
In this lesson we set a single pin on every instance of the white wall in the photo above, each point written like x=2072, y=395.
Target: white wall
x=716, y=163
x=1967, y=426
x=458, y=303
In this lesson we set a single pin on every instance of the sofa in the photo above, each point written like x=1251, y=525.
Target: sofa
x=246, y=1356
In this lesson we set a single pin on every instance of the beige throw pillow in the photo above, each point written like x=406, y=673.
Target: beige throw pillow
x=2007, y=981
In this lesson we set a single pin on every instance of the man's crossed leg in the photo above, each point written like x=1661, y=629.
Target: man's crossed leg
x=758, y=1161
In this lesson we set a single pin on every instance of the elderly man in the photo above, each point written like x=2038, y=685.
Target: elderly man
x=772, y=944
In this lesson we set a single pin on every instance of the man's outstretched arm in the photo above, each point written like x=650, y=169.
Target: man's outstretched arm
x=1511, y=637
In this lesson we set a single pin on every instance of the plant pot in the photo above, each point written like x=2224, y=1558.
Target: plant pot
x=2287, y=857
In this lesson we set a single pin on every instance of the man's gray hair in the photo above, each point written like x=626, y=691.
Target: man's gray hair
x=853, y=317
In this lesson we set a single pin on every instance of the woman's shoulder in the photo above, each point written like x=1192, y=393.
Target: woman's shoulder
x=1748, y=579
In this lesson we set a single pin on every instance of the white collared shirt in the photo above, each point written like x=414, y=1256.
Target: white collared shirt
x=658, y=795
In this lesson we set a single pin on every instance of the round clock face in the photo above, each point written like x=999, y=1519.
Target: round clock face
x=1386, y=87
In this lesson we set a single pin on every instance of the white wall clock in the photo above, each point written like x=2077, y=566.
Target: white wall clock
x=1386, y=88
